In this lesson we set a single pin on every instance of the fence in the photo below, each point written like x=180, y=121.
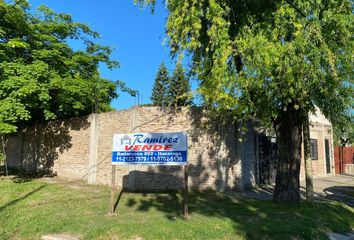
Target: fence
x=342, y=157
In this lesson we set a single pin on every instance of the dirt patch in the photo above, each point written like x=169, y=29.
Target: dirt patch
x=63, y=236
x=73, y=184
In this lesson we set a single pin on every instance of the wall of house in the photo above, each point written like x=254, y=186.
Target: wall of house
x=321, y=130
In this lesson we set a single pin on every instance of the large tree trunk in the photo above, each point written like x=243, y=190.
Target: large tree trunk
x=308, y=161
x=289, y=138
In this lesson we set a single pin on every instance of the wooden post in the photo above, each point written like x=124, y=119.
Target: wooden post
x=113, y=190
x=186, y=200
x=341, y=160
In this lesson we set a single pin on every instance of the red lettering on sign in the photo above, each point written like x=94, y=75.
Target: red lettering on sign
x=137, y=147
x=168, y=147
x=158, y=147
x=146, y=147
x=127, y=148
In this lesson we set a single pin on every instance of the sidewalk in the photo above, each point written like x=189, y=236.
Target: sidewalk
x=338, y=187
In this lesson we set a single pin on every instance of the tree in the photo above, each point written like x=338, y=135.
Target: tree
x=160, y=89
x=41, y=77
x=274, y=60
x=344, y=132
x=179, y=90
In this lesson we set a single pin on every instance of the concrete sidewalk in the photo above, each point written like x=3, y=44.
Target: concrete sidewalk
x=338, y=187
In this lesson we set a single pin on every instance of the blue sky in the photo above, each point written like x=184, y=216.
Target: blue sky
x=135, y=34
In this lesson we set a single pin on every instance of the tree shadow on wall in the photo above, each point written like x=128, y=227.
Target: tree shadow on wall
x=212, y=152
x=42, y=144
x=213, y=166
x=156, y=179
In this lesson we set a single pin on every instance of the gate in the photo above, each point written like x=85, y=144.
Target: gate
x=268, y=158
x=343, y=156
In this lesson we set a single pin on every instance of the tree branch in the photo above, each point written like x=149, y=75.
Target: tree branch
x=296, y=8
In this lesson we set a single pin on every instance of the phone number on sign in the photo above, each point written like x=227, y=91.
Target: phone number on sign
x=150, y=159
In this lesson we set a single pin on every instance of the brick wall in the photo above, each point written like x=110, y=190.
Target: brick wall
x=56, y=146
x=80, y=148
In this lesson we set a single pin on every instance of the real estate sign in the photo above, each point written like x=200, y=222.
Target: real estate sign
x=150, y=148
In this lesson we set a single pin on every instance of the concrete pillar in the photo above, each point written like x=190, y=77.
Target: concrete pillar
x=134, y=127
x=93, y=150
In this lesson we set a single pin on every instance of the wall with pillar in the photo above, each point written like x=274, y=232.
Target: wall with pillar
x=220, y=156
x=80, y=149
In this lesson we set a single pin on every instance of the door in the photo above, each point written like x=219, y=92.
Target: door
x=328, y=159
x=267, y=156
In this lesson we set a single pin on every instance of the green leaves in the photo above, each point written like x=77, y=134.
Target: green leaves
x=11, y=111
x=41, y=76
x=159, y=94
x=17, y=43
x=255, y=57
x=171, y=91
x=179, y=90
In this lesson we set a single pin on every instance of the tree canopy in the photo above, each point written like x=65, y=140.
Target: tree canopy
x=274, y=60
x=171, y=90
x=41, y=76
x=179, y=90
x=159, y=94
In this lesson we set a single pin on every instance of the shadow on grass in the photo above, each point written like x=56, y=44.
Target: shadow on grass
x=2, y=171
x=18, y=176
x=118, y=200
x=15, y=201
x=255, y=219
x=344, y=194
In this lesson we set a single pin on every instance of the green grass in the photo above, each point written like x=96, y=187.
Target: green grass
x=31, y=208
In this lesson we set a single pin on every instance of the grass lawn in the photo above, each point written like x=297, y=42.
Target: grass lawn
x=32, y=208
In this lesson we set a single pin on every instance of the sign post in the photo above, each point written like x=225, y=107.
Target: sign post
x=113, y=190
x=185, y=195
x=151, y=149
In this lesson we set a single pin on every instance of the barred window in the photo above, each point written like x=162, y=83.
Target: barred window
x=314, y=150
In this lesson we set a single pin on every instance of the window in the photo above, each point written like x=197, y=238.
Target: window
x=314, y=150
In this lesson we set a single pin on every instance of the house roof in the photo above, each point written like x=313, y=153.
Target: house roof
x=318, y=117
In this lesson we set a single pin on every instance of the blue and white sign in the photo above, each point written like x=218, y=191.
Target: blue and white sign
x=150, y=148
